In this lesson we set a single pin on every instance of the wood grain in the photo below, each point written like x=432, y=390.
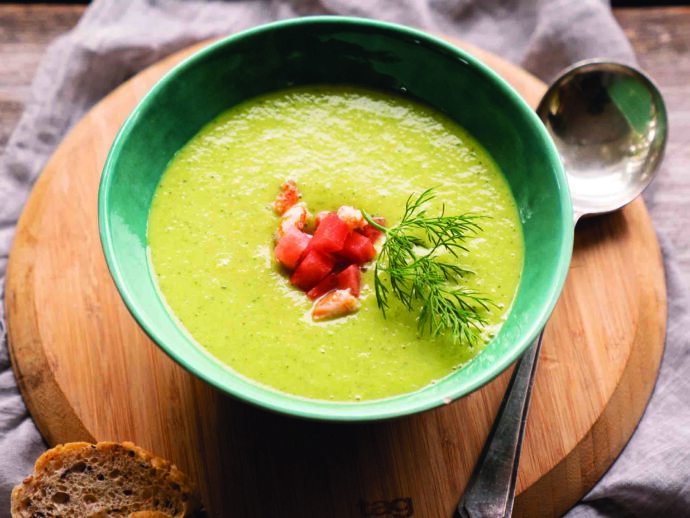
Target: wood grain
x=25, y=31
x=661, y=39
x=88, y=372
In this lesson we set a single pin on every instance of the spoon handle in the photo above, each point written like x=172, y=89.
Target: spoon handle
x=490, y=492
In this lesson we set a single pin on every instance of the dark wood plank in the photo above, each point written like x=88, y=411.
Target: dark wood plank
x=661, y=38
x=25, y=32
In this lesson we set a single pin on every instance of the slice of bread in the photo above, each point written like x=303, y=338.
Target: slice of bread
x=105, y=480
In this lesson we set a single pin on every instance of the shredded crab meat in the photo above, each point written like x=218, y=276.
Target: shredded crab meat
x=352, y=217
x=334, y=304
x=288, y=196
x=295, y=217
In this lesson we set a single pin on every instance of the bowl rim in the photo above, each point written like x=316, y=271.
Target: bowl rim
x=369, y=410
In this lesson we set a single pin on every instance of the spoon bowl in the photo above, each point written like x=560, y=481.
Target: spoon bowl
x=609, y=123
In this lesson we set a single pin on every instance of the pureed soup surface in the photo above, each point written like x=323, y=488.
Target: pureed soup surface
x=211, y=231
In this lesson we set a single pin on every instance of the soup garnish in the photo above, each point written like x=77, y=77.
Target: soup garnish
x=326, y=263
x=410, y=265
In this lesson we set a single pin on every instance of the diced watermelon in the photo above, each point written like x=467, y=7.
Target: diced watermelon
x=330, y=235
x=320, y=217
x=371, y=232
x=350, y=278
x=330, y=282
x=291, y=246
x=312, y=269
x=358, y=249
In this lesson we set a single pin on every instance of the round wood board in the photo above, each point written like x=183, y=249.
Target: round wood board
x=87, y=372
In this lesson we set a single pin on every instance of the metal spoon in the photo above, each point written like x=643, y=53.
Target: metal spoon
x=609, y=124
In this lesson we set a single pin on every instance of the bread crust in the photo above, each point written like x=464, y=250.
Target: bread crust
x=106, y=479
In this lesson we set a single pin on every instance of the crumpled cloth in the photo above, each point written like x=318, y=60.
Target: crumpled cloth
x=116, y=39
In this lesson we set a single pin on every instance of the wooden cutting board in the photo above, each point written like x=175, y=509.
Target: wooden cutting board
x=87, y=372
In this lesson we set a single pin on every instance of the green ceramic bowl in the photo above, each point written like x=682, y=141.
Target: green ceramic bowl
x=350, y=51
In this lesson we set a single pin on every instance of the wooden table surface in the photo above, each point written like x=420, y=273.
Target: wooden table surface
x=660, y=36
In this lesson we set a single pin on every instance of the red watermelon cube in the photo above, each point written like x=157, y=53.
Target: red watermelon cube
x=330, y=235
x=312, y=269
x=350, y=278
x=291, y=246
x=357, y=249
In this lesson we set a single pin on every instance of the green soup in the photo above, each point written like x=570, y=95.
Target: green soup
x=211, y=232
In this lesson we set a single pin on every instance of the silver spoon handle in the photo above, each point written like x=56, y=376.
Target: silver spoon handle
x=490, y=492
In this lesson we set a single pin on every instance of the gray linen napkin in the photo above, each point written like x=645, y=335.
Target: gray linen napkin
x=115, y=39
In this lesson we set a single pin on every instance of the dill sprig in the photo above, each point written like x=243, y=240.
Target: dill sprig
x=411, y=267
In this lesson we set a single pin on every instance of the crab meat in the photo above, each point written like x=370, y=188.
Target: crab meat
x=288, y=196
x=334, y=304
x=352, y=217
x=295, y=217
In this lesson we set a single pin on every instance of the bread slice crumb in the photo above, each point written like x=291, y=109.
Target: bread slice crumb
x=105, y=480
